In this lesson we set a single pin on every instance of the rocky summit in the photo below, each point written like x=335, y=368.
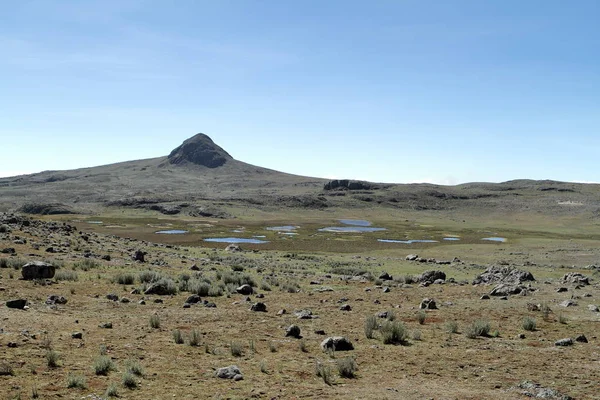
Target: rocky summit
x=199, y=150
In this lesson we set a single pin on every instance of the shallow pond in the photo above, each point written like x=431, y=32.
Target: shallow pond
x=452, y=239
x=410, y=241
x=495, y=239
x=284, y=228
x=172, y=232
x=94, y=222
x=235, y=240
x=355, y=222
x=354, y=229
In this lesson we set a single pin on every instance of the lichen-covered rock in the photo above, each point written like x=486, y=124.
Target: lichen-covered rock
x=38, y=270
x=507, y=275
x=231, y=372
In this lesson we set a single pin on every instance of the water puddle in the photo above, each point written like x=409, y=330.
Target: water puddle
x=495, y=239
x=353, y=229
x=235, y=240
x=355, y=222
x=411, y=241
x=284, y=228
x=172, y=232
x=452, y=239
x=95, y=222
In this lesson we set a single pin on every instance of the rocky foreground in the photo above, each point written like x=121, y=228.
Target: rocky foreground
x=97, y=316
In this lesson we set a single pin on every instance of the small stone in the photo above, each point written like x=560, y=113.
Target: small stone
x=564, y=342
x=568, y=303
x=231, y=372
x=581, y=339
x=337, y=343
x=142, y=302
x=125, y=300
x=485, y=297
x=386, y=290
x=246, y=290
x=16, y=304
x=282, y=312
x=346, y=307
x=259, y=307
x=106, y=325
x=293, y=331
x=428, y=304
x=562, y=289
x=77, y=335
x=112, y=297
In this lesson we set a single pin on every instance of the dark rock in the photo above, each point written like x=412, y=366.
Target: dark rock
x=55, y=299
x=193, y=299
x=293, y=331
x=106, y=257
x=385, y=276
x=564, y=342
x=337, y=343
x=259, y=307
x=282, y=312
x=485, y=297
x=125, y=300
x=386, y=290
x=195, y=268
x=8, y=250
x=158, y=301
x=562, y=290
x=112, y=296
x=38, y=270
x=209, y=304
x=77, y=335
x=581, y=339
x=142, y=302
x=384, y=314
x=17, y=304
x=507, y=275
x=346, y=307
x=106, y=325
x=428, y=304
x=431, y=276
x=135, y=291
x=245, y=290
x=159, y=288
x=231, y=372
x=320, y=332
x=593, y=308
x=139, y=256
x=260, y=296
x=187, y=305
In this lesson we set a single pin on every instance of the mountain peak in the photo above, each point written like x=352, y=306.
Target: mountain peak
x=199, y=150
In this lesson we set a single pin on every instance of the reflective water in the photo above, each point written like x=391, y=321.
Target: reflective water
x=284, y=228
x=172, y=232
x=452, y=238
x=235, y=240
x=411, y=241
x=495, y=239
x=355, y=229
x=355, y=222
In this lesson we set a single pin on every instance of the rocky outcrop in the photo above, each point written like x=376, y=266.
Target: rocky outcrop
x=507, y=275
x=199, y=150
x=38, y=270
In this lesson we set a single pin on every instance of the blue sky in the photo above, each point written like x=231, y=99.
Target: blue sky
x=445, y=91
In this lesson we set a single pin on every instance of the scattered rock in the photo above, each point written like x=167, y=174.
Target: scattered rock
x=337, y=343
x=561, y=290
x=160, y=288
x=293, y=331
x=245, y=290
x=231, y=372
x=485, y=297
x=581, y=339
x=282, y=312
x=507, y=275
x=55, y=299
x=428, y=304
x=259, y=307
x=593, y=308
x=125, y=300
x=106, y=325
x=139, y=256
x=534, y=390
x=112, y=297
x=233, y=248
x=385, y=276
x=304, y=314
x=17, y=304
x=77, y=335
x=507, y=289
x=431, y=276
x=386, y=290
x=411, y=257
x=346, y=307
x=568, y=303
x=564, y=342
x=38, y=270
x=576, y=278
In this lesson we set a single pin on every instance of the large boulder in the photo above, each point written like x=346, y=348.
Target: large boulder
x=430, y=277
x=231, y=372
x=18, y=304
x=508, y=275
x=245, y=289
x=337, y=343
x=507, y=290
x=38, y=270
x=428, y=304
x=159, y=288
x=576, y=278
x=259, y=307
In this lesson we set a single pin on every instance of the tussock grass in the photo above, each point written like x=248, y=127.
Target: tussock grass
x=76, y=381
x=104, y=365
x=478, y=328
x=66, y=275
x=370, y=326
x=347, y=367
x=393, y=332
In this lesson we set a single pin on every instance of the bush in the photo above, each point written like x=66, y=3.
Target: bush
x=52, y=358
x=194, y=339
x=370, y=326
x=135, y=368
x=323, y=371
x=125, y=279
x=178, y=337
x=478, y=328
x=65, y=275
x=86, y=265
x=129, y=380
x=154, y=321
x=104, y=365
x=393, y=332
x=112, y=391
x=76, y=381
x=545, y=309
x=149, y=276
x=265, y=287
x=346, y=367
x=529, y=324
x=236, y=349
x=6, y=370
x=416, y=334
x=421, y=316
x=451, y=327
x=562, y=319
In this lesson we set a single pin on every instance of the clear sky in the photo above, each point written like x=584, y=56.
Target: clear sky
x=444, y=91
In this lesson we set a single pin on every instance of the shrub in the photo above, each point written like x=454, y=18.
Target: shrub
x=52, y=358
x=421, y=316
x=323, y=371
x=545, y=309
x=393, y=332
x=125, y=279
x=236, y=349
x=237, y=268
x=265, y=286
x=529, y=324
x=112, y=391
x=76, y=381
x=478, y=328
x=273, y=347
x=149, y=276
x=6, y=370
x=134, y=368
x=178, y=337
x=451, y=327
x=391, y=315
x=263, y=367
x=86, y=265
x=194, y=339
x=346, y=367
x=129, y=380
x=370, y=326
x=3, y=262
x=302, y=346
x=104, y=365
x=562, y=319
x=290, y=287
x=65, y=275
x=154, y=321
